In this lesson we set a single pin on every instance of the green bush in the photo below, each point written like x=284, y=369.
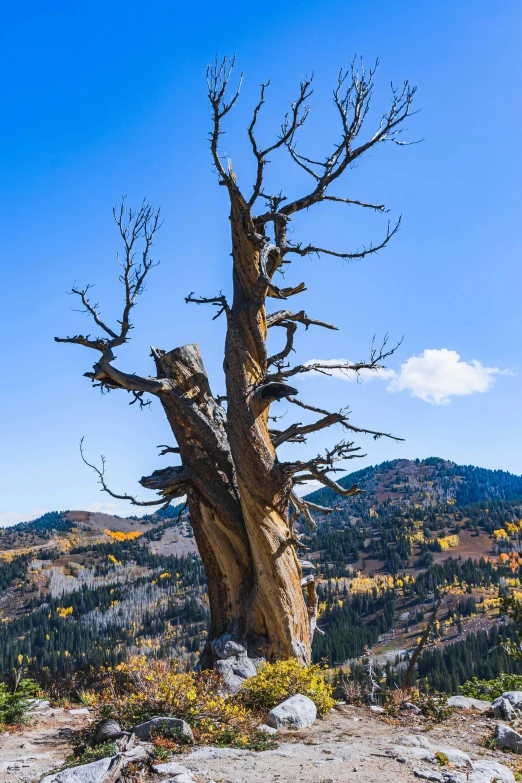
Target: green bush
x=491, y=689
x=14, y=705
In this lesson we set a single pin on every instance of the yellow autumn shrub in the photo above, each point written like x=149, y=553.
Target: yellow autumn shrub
x=275, y=682
x=142, y=688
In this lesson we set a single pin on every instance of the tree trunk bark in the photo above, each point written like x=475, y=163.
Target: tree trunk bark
x=238, y=511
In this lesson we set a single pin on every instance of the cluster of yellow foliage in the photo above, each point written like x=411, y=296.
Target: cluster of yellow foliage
x=113, y=560
x=118, y=535
x=143, y=687
x=64, y=612
x=275, y=682
x=365, y=584
x=448, y=542
x=500, y=535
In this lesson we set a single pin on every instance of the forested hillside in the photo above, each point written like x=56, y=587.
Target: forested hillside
x=78, y=588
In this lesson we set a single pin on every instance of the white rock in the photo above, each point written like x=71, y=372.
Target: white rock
x=490, y=772
x=297, y=712
x=87, y=773
x=181, y=779
x=143, y=730
x=466, y=703
x=266, y=729
x=377, y=709
x=79, y=711
x=415, y=740
x=508, y=738
x=455, y=777
x=171, y=768
x=455, y=756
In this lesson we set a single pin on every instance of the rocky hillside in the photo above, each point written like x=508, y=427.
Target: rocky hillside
x=79, y=588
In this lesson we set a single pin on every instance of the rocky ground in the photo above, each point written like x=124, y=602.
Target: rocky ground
x=352, y=744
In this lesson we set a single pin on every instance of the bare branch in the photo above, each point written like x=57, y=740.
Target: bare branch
x=218, y=77
x=375, y=363
x=293, y=120
x=352, y=97
x=278, y=319
x=136, y=228
x=107, y=374
x=291, y=328
x=92, y=309
x=311, y=249
x=168, y=450
x=218, y=301
x=100, y=472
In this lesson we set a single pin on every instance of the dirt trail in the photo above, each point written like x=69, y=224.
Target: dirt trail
x=28, y=754
x=351, y=745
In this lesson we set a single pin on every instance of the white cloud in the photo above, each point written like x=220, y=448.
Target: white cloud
x=439, y=374
x=435, y=376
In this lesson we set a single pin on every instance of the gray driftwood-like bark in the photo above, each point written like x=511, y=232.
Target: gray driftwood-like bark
x=241, y=498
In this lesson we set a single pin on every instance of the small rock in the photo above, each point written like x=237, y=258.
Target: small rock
x=409, y=707
x=377, y=709
x=508, y=738
x=143, y=730
x=39, y=704
x=266, y=729
x=297, y=712
x=490, y=772
x=429, y=774
x=108, y=730
x=466, y=703
x=183, y=778
x=65, y=732
x=80, y=711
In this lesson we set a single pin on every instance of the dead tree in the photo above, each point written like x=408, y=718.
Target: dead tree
x=241, y=498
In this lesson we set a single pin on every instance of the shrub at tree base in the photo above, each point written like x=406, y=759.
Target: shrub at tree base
x=141, y=688
x=275, y=682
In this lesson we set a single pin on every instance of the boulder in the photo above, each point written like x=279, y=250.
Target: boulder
x=466, y=703
x=490, y=772
x=87, y=773
x=158, y=723
x=297, y=712
x=108, y=730
x=229, y=645
x=507, y=704
x=508, y=738
x=502, y=708
x=233, y=664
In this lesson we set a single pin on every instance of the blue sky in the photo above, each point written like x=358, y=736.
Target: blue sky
x=102, y=99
